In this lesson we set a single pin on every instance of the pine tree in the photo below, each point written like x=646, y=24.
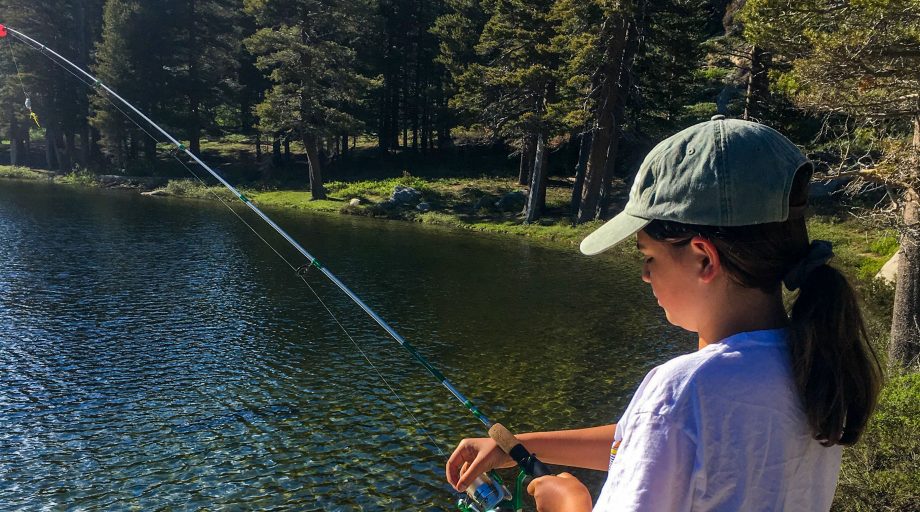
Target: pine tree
x=412, y=80
x=511, y=83
x=308, y=49
x=134, y=61
x=598, y=40
x=207, y=39
x=59, y=100
x=457, y=30
x=861, y=59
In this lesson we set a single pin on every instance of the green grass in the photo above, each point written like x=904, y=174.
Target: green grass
x=861, y=249
x=452, y=200
x=195, y=190
x=21, y=173
x=79, y=177
x=882, y=471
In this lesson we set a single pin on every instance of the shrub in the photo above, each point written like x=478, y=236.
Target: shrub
x=882, y=472
x=24, y=173
x=79, y=177
x=189, y=188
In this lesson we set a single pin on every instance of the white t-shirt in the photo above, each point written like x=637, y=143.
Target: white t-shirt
x=721, y=429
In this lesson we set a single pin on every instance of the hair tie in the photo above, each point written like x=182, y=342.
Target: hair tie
x=819, y=253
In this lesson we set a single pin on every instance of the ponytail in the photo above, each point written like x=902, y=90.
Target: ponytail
x=836, y=371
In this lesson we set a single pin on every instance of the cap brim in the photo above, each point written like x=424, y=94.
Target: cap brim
x=612, y=232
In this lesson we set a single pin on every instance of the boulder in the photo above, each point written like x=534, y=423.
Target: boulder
x=354, y=202
x=890, y=269
x=512, y=202
x=423, y=207
x=405, y=195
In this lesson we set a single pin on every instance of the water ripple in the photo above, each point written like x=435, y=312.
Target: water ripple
x=154, y=356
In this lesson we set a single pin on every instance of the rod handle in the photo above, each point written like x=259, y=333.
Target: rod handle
x=513, y=447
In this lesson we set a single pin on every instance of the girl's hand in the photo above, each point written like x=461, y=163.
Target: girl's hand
x=561, y=493
x=473, y=457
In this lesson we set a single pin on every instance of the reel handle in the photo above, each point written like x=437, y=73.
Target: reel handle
x=510, y=445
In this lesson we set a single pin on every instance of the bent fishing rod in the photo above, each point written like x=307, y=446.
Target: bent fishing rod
x=527, y=461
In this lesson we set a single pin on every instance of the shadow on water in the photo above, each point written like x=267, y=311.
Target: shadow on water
x=271, y=413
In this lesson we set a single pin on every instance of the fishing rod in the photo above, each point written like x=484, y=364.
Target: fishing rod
x=485, y=493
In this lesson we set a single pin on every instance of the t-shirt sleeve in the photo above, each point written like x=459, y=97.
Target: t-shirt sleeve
x=654, y=467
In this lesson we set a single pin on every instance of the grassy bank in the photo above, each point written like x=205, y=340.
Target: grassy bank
x=463, y=203
x=82, y=178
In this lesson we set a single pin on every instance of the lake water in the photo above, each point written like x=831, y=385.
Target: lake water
x=156, y=355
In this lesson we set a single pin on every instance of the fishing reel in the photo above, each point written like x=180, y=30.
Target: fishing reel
x=488, y=494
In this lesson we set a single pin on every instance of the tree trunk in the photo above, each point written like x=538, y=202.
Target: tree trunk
x=758, y=89
x=443, y=121
x=27, y=137
x=258, y=146
x=610, y=169
x=904, y=349
x=95, y=150
x=276, y=150
x=316, y=177
x=133, y=147
x=605, y=129
x=14, y=138
x=426, y=122
x=83, y=35
x=536, y=196
x=583, y=151
x=50, y=154
x=194, y=100
x=344, y=144
x=86, y=145
x=394, y=118
x=528, y=152
x=70, y=149
x=150, y=149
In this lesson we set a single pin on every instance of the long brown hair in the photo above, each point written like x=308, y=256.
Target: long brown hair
x=836, y=371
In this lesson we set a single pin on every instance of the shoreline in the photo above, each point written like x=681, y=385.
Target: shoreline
x=445, y=197
x=468, y=204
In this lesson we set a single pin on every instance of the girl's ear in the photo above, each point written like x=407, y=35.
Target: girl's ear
x=707, y=256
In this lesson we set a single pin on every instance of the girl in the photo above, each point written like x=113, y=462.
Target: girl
x=755, y=419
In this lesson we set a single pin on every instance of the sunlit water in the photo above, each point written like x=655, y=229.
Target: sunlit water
x=156, y=355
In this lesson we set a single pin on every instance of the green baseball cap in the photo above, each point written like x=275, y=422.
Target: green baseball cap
x=724, y=172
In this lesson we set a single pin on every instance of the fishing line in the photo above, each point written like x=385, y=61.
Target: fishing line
x=301, y=275
x=18, y=74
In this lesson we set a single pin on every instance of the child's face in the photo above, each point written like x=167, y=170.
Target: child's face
x=673, y=273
